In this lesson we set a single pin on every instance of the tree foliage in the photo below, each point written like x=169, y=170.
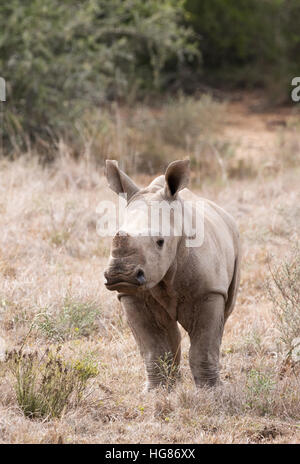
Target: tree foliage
x=248, y=42
x=59, y=57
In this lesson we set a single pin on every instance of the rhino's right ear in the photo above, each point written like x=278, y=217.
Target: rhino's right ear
x=118, y=181
x=177, y=177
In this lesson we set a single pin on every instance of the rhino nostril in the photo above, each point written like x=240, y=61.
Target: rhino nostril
x=140, y=277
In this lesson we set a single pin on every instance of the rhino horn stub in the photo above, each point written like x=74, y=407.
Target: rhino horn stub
x=121, y=245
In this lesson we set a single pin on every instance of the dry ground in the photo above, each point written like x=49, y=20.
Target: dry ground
x=49, y=250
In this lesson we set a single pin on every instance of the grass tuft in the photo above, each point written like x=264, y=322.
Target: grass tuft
x=74, y=319
x=46, y=384
x=283, y=288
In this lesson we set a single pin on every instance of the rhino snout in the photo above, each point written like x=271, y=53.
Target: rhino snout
x=118, y=277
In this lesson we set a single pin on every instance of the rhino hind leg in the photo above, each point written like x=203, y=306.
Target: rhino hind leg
x=158, y=339
x=206, y=336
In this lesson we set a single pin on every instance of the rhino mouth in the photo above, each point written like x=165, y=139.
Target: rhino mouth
x=121, y=284
x=130, y=285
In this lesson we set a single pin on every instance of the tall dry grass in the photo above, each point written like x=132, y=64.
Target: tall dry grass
x=51, y=263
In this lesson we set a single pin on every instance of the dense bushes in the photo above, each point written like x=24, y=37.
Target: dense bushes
x=60, y=58
x=248, y=42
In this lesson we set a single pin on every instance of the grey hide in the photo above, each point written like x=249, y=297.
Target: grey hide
x=160, y=281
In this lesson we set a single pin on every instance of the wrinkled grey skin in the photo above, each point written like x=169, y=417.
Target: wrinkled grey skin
x=160, y=285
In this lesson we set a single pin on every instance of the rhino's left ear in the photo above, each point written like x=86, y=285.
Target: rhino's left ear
x=177, y=177
x=118, y=181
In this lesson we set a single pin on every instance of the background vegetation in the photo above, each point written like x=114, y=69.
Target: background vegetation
x=64, y=60
x=248, y=42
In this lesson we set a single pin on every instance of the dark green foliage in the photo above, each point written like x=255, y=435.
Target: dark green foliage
x=59, y=58
x=234, y=32
x=248, y=42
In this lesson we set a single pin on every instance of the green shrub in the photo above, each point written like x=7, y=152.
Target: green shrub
x=45, y=385
x=74, y=319
x=249, y=42
x=59, y=58
x=259, y=388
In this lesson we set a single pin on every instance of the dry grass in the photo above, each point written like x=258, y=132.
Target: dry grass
x=145, y=140
x=50, y=254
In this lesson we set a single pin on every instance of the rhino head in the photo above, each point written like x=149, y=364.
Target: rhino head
x=141, y=251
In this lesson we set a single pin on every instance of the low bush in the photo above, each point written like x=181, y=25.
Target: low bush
x=283, y=288
x=46, y=385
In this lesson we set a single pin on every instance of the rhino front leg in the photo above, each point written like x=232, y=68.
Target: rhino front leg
x=206, y=336
x=158, y=339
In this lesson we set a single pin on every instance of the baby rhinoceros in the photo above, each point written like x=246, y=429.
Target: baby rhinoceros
x=176, y=258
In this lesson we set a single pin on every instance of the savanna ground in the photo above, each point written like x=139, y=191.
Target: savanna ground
x=52, y=294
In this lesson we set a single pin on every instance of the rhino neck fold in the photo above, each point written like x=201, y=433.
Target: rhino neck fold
x=164, y=292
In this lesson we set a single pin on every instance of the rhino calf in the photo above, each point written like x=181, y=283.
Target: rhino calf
x=161, y=280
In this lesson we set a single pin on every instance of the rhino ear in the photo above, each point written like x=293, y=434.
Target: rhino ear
x=177, y=177
x=118, y=181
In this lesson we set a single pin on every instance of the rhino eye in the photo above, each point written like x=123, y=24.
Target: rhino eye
x=160, y=242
